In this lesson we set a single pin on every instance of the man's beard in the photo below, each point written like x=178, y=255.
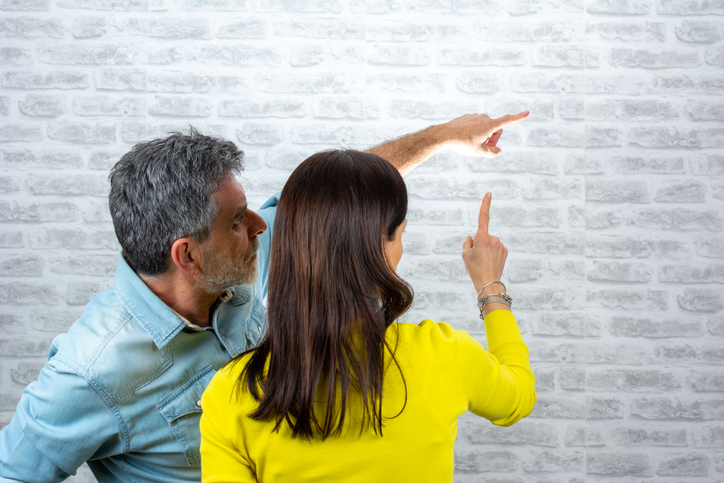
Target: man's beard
x=221, y=273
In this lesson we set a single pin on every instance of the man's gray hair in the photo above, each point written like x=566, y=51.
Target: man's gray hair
x=162, y=191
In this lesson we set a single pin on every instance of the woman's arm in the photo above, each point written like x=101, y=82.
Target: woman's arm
x=471, y=135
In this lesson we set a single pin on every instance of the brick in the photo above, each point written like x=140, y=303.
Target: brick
x=42, y=105
x=41, y=212
x=284, y=159
x=623, y=272
x=262, y=108
x=684, y=464
x=392, y=81
x=224, y=5
x=64, y=184
x=567, y=324
x=653, y=58
x=11, y=324
x=179, y=28
x=584, y=436
x=82, y=132
x=237, y=55
x=14, y=5
x=15, y=56
x=557, y=137
x=631, y=299
x=638, y=380
x=559, y=408
x=708, y=437
x=542, y=109
x=698, y=31
x=637, y=31
x=306, y=6
x=547, y=83
x=715, y=325
x=8, y=402
x=160, y=54
x=577, y=164
x=705, y=111
x=80, y=293
x=677, y=220
x=423, y=109
x=31, y=28
x=341, y=107
x=8, y=185
x=530, y=31
x=73, y=238
x=26, y=372
x=246, y=28
x=308, y=83
x=4, y=106
x=572, y=108
x=535, y=434
x=81, y=54
x=618, y=464
x=706, y=381
x=109, y=106
x=710, y=247
x=327, y=134
x=16, y=293
x=717, y=190
x=20, y=132
x=305, y=55
x=646, y=164
x=550, y=462
x=133, y=132
x=21, y=265
x=89, y=27
x=258, y=133
x=630, y=110
x=485, y=461
x=56, y=321
x=178, y=82
x=688, y=273
x=391, y=54
x=85, y=264
x=24, y=347
x=11, y=239
x=181, y=106
x=478, y=83
x=664, y=408
x=603, y=137
x=320, y=28
x=604, y=408
x=572, y=378
x=690, y=7
x=466, y=56
x=654, y=328
x=402, y=31
x=548, y=351
x=572, y=56
x=648, y=437
x=528, y=162
x=544, y=380
x=701, y=300
x=115, y=5
x=617, y=191
x=619, y=354
x=546, y=242
x=436, y=216
x=42, y=159
x=440, y=270
x=619, y=7
x=121, y=79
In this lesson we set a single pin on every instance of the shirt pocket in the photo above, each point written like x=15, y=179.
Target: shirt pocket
x=182, y=411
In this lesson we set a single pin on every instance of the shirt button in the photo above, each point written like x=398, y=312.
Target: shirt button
x=198, y=403
x=259, y=329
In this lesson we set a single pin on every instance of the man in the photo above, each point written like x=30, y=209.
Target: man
x=121, y=389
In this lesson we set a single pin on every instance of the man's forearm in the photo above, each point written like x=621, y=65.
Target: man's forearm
x=410, y=151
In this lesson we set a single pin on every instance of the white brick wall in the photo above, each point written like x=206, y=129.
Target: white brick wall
x=610, y=196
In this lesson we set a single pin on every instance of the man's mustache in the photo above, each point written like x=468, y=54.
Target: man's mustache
x=253, y=247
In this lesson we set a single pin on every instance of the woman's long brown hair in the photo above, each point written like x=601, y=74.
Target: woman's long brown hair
x=332, y=295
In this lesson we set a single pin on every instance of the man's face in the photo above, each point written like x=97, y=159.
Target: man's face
x=229, y=254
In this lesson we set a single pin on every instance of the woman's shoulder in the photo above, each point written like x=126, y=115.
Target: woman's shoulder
x=436, y=336
x=226, y=379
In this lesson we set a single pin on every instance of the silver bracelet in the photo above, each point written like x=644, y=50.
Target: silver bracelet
x=501, y=298
x=490, y=283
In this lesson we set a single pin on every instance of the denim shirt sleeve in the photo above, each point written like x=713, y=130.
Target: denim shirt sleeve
x=60, y=422
x=268, y=212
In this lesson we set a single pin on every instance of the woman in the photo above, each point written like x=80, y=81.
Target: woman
x=337, y=390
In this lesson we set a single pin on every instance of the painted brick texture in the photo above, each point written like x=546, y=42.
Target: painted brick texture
x=610, y=197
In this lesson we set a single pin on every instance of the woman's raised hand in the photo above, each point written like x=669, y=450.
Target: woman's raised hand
x=484, y=255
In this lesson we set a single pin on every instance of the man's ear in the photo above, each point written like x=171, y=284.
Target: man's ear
x=186, y=255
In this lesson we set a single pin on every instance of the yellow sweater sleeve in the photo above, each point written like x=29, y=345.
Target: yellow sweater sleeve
x=498, y=383
x=221, y=460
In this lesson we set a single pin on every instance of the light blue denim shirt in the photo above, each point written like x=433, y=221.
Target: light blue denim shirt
x=121, y=389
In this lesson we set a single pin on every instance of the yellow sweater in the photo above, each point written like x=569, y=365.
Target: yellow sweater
x=447, y=373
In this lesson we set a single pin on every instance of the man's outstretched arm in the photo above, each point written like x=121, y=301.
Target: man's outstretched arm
x=471, y=135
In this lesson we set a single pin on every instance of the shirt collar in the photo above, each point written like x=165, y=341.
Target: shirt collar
x=156, y=317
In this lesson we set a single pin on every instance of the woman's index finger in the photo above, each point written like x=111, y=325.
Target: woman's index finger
x=484, y=216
